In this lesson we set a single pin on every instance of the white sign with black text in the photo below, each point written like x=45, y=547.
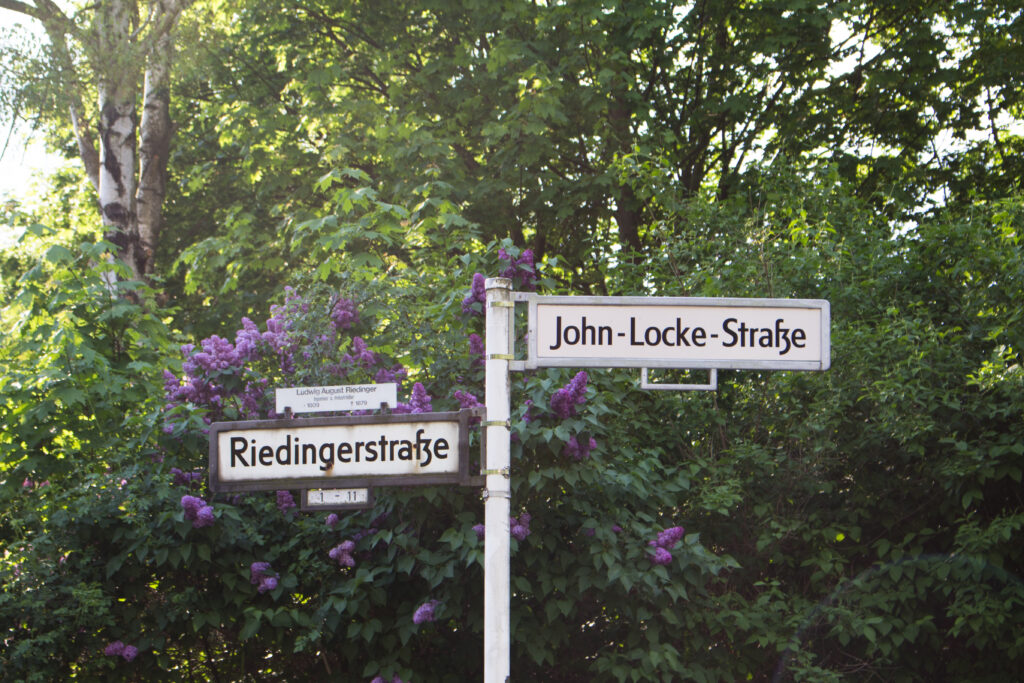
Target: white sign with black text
x=337, y=398
x=759, y=334
x=337, y=499
x=339, y=452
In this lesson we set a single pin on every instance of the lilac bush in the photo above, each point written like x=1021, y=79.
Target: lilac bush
x=234, y=380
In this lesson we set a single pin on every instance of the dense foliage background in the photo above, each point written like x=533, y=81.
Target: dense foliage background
x=340, y=172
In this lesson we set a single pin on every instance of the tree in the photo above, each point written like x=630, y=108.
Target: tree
x=859, y=524
x=565, y=127
x=855, y=524
x=103, y=52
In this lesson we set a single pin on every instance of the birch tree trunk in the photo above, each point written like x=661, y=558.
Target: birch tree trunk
x=122, y=48
x=154, y=147
x=116, y=93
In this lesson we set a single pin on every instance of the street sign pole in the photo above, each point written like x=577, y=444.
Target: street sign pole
x=497, y=494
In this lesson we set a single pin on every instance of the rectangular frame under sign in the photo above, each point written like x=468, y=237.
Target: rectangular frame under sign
x=314, y=500
x=678, y=332
x=342, y=452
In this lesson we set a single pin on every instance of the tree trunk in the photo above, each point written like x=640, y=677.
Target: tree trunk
x=115, y=47
x=117, y=126
x=627, y=207
x=154, y=147
x=117, y=170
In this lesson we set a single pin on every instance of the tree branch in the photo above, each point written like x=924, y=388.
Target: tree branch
x=21, y=8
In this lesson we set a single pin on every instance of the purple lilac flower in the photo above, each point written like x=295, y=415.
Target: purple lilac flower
x=285, y=501
x=191, y=505
x=204, y=517
x=520, y=528
x=395, y=373
x=277, y=337
x=419, y=399
x=257, y=570
x=248, y=340
x=565, y=400
x=344, y=315
x=380, y=679
x=119, y=649
x=331, y=520
x=360, y=355
x=197, y=511
x=661, y=556
x=190, y=390
x=342, y=554
x=616, y=528
x=477, y=295
x=578, y=451
x=260, y=573
x=253, y=396
x=670, y=537
x=425, y=612
x=521, y=271
x=666, y=540
x=476, y=348
x=466, y=400
x=182, y=478
x=480, y=530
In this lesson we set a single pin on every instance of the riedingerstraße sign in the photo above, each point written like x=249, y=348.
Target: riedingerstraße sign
x=339, y=452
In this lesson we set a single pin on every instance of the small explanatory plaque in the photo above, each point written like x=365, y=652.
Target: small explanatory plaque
x=338, y=398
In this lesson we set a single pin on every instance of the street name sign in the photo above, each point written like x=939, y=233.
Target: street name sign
x=341, y=452
x=678, y=332
x=336, y=398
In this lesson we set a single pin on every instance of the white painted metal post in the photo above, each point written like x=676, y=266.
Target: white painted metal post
x=498, y=491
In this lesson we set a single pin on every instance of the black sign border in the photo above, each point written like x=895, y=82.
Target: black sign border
x=463, y=477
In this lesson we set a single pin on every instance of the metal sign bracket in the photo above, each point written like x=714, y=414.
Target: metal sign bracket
x=712, y=384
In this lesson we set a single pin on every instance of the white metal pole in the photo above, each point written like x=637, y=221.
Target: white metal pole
x=498, y=491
